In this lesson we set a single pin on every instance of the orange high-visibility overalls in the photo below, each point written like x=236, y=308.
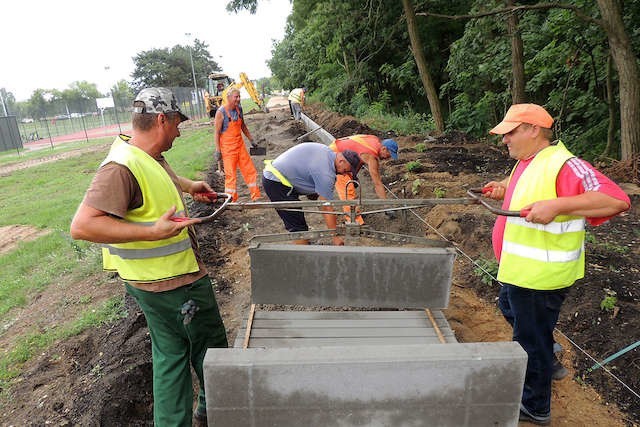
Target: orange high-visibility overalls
x=369, y=144
x=234, y=155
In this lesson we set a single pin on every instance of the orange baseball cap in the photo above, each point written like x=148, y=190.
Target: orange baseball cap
x=523, y=113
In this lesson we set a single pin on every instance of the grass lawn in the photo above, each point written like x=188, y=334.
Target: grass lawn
x=46, y=197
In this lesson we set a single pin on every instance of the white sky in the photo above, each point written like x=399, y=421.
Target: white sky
x=50, y=44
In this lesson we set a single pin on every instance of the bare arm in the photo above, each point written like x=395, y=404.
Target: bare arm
x=245, y=130
x=97, y=226
x=373, y=165
x=217, y=123
x=589, y=204
x=331, y=222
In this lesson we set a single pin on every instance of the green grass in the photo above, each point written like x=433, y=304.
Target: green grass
x=46, y=196
x=11, y=156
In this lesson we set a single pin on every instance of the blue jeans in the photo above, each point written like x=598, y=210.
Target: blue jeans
x=533, y=314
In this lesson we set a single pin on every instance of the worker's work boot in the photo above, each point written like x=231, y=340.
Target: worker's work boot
x=559, y=371
x=527, y=416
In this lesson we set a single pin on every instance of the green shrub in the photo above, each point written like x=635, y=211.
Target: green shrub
x=439, y=192
x=421, y=148
x=414, y=166
x=487, y=269
x=608, y=303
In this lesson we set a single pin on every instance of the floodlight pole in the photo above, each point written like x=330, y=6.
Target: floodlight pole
x=4, y=106
x=193, y=72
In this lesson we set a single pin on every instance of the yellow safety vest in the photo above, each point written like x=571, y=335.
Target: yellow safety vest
x=296, y=96
x=542, y=256
x=268, y=166
x=149, y=261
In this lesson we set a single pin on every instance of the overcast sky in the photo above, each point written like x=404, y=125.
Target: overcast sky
x=49, y=44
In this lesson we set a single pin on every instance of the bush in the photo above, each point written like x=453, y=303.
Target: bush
x=421, y=148
x=414, y=166
x=487, y=269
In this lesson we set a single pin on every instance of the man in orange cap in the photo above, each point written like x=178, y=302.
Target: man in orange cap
x=542, y=254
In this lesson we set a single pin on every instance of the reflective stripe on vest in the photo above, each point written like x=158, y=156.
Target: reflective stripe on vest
x=130, y=253
x=268, y=166
x=542, y=256
x=149, y=261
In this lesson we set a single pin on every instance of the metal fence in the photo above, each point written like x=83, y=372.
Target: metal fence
x=9, y=134
x=68, y=122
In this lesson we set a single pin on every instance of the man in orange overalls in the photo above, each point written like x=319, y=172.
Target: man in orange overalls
x=229, y=124
x=371, y=151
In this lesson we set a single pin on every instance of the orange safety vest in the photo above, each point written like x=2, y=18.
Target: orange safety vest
x=369, y=144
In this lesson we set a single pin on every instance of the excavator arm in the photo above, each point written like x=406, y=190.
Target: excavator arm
x=250, y=88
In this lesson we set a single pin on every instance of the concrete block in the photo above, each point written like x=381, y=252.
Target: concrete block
x=320, y=135
x=470, y=384
x=355, y=276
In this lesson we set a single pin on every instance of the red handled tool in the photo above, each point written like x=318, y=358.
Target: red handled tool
x=212, y=196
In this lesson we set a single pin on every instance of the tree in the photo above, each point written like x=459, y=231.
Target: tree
x=621, y=48
x=628, y=74
x=425, y=75
x=171, y=67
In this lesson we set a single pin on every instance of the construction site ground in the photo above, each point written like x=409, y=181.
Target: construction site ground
x=103, y=376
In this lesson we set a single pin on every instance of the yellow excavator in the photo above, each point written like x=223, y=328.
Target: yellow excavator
x=218, y=84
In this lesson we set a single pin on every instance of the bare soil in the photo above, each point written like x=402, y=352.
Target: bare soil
x=103, y=376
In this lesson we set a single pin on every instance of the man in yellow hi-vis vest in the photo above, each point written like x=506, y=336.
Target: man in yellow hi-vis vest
x=296, y=101
x=128, y=209
x=542, y=253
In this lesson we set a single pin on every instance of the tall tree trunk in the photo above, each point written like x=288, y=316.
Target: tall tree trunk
x=611, y=104
x=628, y=76
x=418, y=55
x=517, y=57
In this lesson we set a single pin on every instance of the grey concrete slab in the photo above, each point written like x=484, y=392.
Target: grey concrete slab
x=321, y=328
x=470, y=384
x=334, y=342
x=356, y=276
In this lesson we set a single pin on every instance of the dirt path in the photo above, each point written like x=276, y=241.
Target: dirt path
x=102, y=377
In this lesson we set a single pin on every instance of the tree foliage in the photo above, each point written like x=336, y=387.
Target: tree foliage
x=354, y=54
x=171, y=67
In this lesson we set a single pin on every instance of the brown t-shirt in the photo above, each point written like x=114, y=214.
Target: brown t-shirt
x=115, y=190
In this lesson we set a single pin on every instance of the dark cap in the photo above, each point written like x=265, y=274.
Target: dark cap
x=354, y=160
x=158, y=100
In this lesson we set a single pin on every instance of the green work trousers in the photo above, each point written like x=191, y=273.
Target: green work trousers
x=176, y=346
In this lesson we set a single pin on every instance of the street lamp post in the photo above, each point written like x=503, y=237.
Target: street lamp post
x=193, y=72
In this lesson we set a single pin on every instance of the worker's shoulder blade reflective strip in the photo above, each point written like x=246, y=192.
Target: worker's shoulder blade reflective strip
x=553, y=227
x=540, y=254
x=170, y=249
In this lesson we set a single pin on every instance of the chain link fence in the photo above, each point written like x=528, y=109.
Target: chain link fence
x=72, y=121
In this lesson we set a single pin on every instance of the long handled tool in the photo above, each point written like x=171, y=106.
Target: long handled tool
x=473, y=197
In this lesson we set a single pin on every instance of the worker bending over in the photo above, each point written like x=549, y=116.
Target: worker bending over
x=371, y=151
x=128, y=209
x=308, y=169
x=542, y=254
x=229, y=127
x=296, y=102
